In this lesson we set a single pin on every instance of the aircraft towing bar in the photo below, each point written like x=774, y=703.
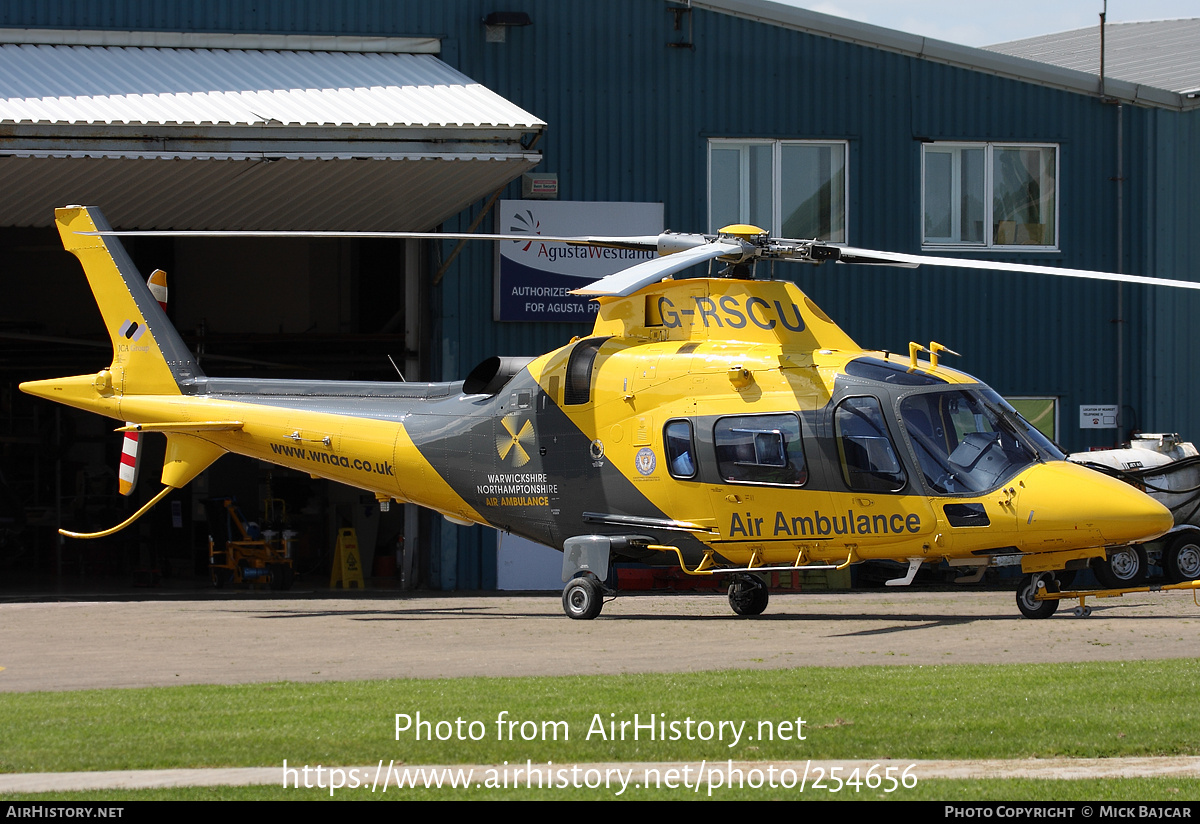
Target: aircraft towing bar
x=1083, y=610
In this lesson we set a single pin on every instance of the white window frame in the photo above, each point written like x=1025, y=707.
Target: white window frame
x=988, y=242
x=776, y=227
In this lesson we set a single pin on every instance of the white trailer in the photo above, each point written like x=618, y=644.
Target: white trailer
x=1167, y=469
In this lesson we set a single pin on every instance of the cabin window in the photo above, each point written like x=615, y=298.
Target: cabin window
x=990, y=195
x=760, y=449
x=791, y=188
x=868, y=454
x=681, y=449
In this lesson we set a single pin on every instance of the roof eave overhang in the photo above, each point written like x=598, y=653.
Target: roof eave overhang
x=257, y=178
x=129, y=138
x=270, y=132
x=396, y=192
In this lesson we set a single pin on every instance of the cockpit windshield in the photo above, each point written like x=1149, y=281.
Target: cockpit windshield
x=970, y=440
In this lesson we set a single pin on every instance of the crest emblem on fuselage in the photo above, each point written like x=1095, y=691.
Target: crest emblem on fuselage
x=645, y=461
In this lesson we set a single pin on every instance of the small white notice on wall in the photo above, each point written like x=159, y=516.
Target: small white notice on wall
x=1098, y=417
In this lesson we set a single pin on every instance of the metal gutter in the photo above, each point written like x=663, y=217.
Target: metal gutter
x=222, y=40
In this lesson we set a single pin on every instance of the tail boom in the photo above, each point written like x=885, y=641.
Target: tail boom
x=351, y=432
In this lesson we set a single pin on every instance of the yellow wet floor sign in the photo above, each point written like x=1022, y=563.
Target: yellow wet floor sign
x=347, y=566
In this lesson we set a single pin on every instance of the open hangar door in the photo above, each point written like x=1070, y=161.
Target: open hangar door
x=342, y=149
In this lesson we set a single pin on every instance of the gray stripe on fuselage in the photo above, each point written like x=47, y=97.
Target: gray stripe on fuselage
x=457, y=433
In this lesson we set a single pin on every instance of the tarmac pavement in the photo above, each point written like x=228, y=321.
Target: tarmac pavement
x=253, y=637
x=107, y=639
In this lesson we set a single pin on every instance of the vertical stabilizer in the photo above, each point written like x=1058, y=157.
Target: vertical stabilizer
x=149, y=357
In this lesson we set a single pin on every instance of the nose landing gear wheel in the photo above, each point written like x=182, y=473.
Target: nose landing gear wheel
x=748, y=595
x=583, y=598
x=1028, y=589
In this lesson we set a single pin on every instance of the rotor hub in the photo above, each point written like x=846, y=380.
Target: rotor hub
x=745, y=231
x=752, y=240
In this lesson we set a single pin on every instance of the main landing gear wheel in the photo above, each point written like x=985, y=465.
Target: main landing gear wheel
x=1181, y=561
x=1028, y=589
x=1125, y=567
x=748, y=595
x=583, y=598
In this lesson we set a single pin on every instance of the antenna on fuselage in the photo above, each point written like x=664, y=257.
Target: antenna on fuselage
x=397, y=368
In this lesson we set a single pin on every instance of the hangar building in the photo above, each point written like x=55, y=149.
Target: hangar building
x=473, y=114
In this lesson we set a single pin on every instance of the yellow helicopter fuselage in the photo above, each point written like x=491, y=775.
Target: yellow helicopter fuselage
x=728, y=423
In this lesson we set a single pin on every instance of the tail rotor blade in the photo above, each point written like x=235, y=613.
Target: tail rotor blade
x=158, y=286
x=131, y=459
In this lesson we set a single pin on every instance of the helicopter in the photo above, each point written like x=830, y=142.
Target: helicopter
x=719, y=425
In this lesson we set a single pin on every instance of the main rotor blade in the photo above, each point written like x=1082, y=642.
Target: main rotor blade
x=649, y=242
x=849, y=254
x=627, y=281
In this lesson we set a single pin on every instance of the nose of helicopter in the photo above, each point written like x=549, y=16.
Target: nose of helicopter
x=1061, y=501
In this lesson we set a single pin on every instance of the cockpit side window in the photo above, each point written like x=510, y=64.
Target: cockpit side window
x=868, y=455
x=760, y=449
x=934, y=428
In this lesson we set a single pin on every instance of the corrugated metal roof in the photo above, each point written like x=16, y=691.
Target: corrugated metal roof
x=939, y=51
x=248, y=138
x=1159, y=53
x=127, y=85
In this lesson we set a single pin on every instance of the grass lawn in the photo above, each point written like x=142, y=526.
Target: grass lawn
x=860, y=713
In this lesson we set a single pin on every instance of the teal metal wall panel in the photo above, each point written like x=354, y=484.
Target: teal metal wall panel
x=1166, y=352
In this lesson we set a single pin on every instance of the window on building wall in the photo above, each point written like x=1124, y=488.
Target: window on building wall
x=990, y=195
x=791, y=188
x=1040, y=412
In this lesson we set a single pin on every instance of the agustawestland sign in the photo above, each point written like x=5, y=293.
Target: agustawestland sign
x=534, y=279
